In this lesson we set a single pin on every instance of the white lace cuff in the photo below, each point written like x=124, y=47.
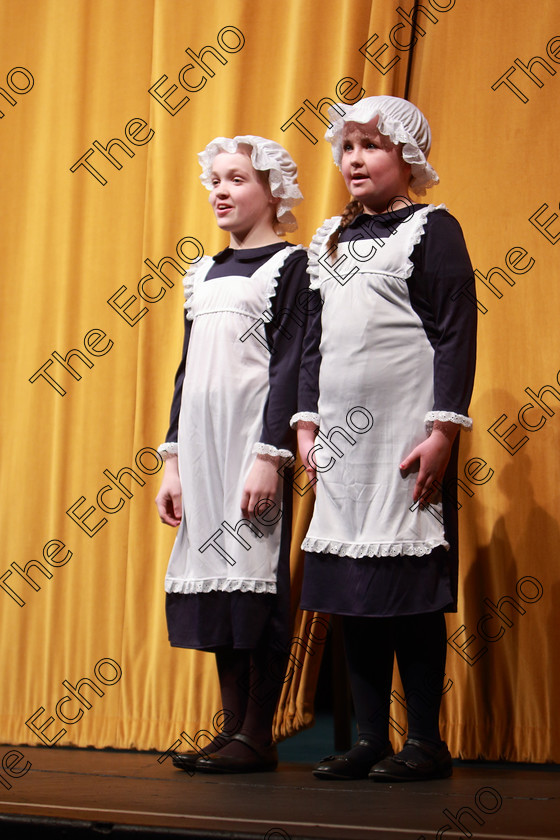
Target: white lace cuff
x=447, y=417
x=267, y=449
x=305, y=417
x=166, y=450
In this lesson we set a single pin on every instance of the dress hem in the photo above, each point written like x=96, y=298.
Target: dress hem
x=448, y=608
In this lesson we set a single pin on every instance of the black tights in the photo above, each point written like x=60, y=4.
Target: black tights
x=250, y=684
x=420, y=644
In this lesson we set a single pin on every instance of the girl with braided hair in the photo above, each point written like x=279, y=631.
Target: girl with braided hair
x=395, y=342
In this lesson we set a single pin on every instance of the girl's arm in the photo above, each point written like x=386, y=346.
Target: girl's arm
x=261, y=483
x=285, y=334
x=307, y=417
x=307, y=420
x=169, y=498
x=178, y=386
x=306, y=433
x=433, y=456
x=441, y=291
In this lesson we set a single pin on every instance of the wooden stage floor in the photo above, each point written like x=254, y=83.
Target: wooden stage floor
x=71, y=793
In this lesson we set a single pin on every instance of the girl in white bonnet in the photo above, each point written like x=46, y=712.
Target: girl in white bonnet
x=395, y=339
x=227, y=582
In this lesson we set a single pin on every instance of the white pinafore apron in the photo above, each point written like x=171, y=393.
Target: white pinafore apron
x=376, y=388
x=224, y=392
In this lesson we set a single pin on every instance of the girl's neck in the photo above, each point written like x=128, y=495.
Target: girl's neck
x=396, y=204
x=254, y=239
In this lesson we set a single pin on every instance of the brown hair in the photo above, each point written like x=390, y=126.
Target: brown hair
x=350, y=212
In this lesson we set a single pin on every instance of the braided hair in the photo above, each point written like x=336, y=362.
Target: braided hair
x=350, y=212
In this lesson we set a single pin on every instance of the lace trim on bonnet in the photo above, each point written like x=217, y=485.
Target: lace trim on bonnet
x=395, y=117
x=266, y=156
x=424, y=175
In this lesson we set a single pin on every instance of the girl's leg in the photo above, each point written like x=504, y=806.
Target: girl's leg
x=369, y=644
x=421, y=646
x=255, y=684
x=232, y=665
x=253, y=690
x=370, y=652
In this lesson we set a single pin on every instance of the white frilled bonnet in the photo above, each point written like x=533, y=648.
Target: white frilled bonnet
x=266, y=155
x=401, y=121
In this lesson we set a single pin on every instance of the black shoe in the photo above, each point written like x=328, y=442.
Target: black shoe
x=426, y=762
x=263, y=758
x=352, y=767
x=187, y=761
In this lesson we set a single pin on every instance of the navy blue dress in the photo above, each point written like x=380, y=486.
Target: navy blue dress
x=438, y=288
x=241, y=619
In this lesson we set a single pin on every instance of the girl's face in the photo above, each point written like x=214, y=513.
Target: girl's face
x=241, y=197
x=372, y=167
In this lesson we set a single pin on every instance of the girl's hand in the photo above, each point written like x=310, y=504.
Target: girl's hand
x=306, y=440
x=261, y=483
x=169, y=499
x=433, y=455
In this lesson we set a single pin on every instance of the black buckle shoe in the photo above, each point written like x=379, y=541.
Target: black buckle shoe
x=356, y=767
x=187, y=761
x=263, y=758
x=432, y=763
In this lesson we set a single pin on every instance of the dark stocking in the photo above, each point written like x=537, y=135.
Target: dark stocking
x=231, y=665
x=251, y=682
x=369, y=644
x=421, y=645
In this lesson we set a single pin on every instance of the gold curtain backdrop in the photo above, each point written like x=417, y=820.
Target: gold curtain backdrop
x=105, y=104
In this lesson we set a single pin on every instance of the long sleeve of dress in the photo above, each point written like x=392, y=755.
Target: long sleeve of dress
x=285, y=333
x=439, y=287
x=170, y=445
x=308, y=389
